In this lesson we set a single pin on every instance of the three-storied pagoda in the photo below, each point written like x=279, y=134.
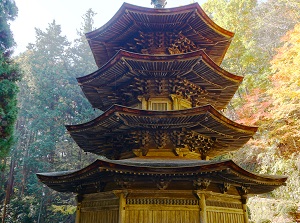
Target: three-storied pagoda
x=161, y=86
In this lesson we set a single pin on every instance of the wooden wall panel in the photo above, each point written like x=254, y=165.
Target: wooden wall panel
x=165, y=214
x=105, y=216
x=224, y=215
x=99, y=208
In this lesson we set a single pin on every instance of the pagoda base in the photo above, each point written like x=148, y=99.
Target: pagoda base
x=157, y=206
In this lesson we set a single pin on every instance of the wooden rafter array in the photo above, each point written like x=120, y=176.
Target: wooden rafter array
x=161, y=43
x=175, y=30
x=162, y=174
x=193, y=76
x=200, y=132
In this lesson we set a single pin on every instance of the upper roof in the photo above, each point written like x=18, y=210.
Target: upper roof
x=128, y=75
x=107, y=175
x=119, y=131
x=127, y=24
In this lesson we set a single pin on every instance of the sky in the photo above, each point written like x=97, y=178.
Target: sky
x=67, y=13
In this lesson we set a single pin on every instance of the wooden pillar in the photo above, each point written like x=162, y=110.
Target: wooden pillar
x=244, y=204
x=202, y=204
x=144, y=102
x=122, y=205
x=78, y=209
x=175, y=102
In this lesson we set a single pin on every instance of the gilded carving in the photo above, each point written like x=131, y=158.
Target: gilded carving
x=162, y=43
x=224, y=187
x=201, y=184
x=124, y=182
x=162, y=183
x=160, y=138
x=243, y=190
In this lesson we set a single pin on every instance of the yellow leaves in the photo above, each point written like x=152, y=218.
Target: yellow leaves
x=287, y=61
x=64, y=209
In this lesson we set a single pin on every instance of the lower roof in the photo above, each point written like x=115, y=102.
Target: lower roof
x=137, y=173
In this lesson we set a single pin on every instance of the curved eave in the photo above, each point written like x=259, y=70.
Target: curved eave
x=196, y=67
x=117, y=110
x=151, y=11
x=122, y=55
x=120, y=121
x=129, y=18
x=216, y=171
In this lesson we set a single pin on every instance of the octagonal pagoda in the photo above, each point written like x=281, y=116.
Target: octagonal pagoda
x=161, y=87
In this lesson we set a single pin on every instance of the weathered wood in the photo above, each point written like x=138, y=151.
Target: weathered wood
x=203, y=211
x=172, y=206
x=193, y=77
x=202, y=131
x=170, y=87
x=134, y=22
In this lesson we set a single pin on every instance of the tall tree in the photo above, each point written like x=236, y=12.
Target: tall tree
x=273, y=19
x=81, y=60
x=285, y=95
x=50, y=98
x=241, y=58
x=269, y=95
x=9, y=74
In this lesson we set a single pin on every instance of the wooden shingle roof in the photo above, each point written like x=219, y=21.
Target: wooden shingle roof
x=103, y=175
x=130, y=21
x=119, y=131
x=128, y=75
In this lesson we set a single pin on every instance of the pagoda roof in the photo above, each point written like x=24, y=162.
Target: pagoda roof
x=109, y=84
x=122, y=126
x=106, y=174
x=190, y=20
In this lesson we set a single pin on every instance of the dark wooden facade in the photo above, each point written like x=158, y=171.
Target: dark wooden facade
x=191, y=76
x=159, y=31
x=161, y=88
x=161, y=173
x=196, y=133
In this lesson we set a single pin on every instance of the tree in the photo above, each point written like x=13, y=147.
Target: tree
x=49, y=99
x=285, y=94
x=9, y=74
x=276, y=109
x=241, y=57
x=269, y=97
x=81, y=60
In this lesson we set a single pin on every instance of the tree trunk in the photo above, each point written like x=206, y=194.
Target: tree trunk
x=9, y=188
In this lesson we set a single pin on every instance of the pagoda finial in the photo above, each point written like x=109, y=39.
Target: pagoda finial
x=159, y=3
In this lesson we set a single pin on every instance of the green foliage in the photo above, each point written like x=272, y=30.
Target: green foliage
x=8, y=13
x=64, y=209
x=49, y=98
x=26, y=211
x=9, y=74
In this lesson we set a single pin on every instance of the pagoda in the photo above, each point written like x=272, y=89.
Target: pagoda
x=161, y=87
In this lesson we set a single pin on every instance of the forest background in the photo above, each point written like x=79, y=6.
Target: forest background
x=265, y=51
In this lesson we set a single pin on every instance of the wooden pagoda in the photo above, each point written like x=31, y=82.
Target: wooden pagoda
x=162, y=89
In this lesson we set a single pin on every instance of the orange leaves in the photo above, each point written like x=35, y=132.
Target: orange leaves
x=286, y=64
x=255, y=108
x=277, y=110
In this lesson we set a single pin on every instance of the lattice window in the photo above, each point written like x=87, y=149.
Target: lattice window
x=160, y=106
